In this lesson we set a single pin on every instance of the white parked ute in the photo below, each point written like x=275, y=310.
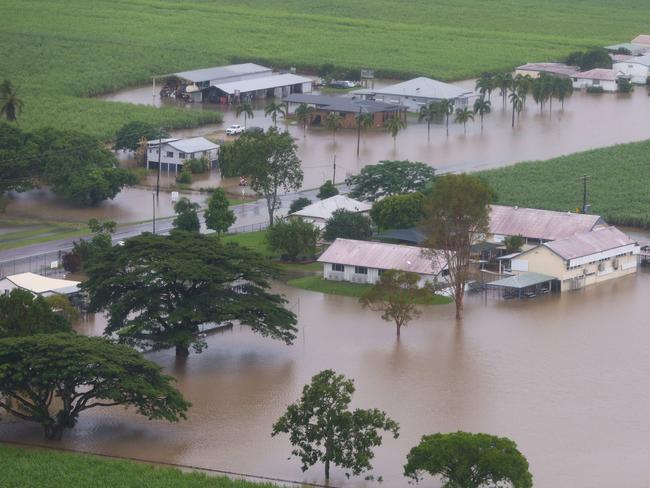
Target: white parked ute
x=234, y=129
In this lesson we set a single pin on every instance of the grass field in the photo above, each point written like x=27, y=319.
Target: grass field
x=59, y=52
x=617, y=188
x=39, y=468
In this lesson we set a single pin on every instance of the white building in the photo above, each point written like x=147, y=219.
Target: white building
x=417, y=92
x=176, y=151
x=534, y=70
x=38, y=285
x=607, y=79
x=364, y=261
x=637, y=69
x=318, y=213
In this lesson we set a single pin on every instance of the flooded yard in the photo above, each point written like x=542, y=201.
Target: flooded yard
x=565, y=376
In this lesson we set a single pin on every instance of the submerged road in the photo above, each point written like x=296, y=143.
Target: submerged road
x=250, y=216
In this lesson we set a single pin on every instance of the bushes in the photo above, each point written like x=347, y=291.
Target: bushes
x=197, y=165
x=327, y=190
x=292, y=238
x=398, y=211
x=595, y=89
x=185, y=176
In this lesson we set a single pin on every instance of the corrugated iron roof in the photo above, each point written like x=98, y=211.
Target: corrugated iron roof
x=587, y=243
x=382, y=256
x=539, y=224
x=520, y=281
x=341, y=104
x=324, y=209
x=42, y=284
x=642, y=60
x=193, y=144
x=261, y=83
x=598, y=74
x=551, y=68
x=422, y=87
x=222, y=72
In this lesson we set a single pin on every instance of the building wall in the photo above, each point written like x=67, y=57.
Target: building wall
x=582, y=83
x=543, y=260
x=638, y=73
x=371, y=278
x=174, y=162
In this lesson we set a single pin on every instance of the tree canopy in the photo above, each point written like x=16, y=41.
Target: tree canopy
x=322, y=428
x=293, y=237
x=19, y=159
x=348, y=225
x=187, y=216
x=218, y=216
x=52, y=378
x=456, y=214
x=131, y=133
x=465, y=460
x=390, y=178
x=24, y=314
x=398, y=211
x=326, y=190
x=299, y=204
x=158, y=290
x=593, y=58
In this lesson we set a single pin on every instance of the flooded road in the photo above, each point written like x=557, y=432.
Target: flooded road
x=566, y=377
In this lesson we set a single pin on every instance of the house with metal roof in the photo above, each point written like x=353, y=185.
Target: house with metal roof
x=417, y=92
x=347, y=107
x=633, y=48
x=581, y=259
x=555, y=69
x=636, y=69
x=643, y=39
x=365, y=261
x=320, y=212
x=39, y=285
x=174, y=152
x=607, y=79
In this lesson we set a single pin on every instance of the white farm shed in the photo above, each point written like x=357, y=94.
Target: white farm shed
x=176, y=151
x=318, y=213
x=38, y=285
x=278, y=86
x=637, y=69
x=364, y=261
x=604, y=78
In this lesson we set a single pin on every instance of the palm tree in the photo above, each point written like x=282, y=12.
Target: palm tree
x=246, y=109
x=10, y=103
x=522, y=85
x=304, y=113
x=485, y=84
x=546, y=83
x=537, y=92
x=517, y=104
x=504, y=83
x=482, y=107
x=446, y=109
x=333, y=122
x=564, y=89
x=429, y=112
x=273, y=109
x=363, y=121
x=394, y=125
x=463, y=115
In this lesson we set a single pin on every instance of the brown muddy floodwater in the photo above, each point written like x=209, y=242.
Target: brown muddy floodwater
x=565, y=376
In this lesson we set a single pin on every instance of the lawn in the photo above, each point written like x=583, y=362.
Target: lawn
x=344, y=288
x=35, y=468
x=617, y=188
x=60, y=53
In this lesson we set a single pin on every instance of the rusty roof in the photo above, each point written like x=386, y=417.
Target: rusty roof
x=641, y=39
x=587, y=243
x=598, y=74
x=382, y=256
x=534, y=223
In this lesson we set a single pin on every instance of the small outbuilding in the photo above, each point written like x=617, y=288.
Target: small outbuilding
x=555, y=69
x=636, y=69
x=39, y=285
x=320, y=212
x=365, y=261
x=175, y=152
x=607, y=79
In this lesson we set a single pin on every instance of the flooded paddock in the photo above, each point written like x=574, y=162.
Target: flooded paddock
x=565, y=376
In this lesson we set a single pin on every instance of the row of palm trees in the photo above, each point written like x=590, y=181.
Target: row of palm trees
x=446, y=108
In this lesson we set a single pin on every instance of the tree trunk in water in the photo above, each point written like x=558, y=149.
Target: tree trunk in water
x=327, y=469
x=399, y=326
x=53, y=432
x=458, y=299
x=513, y=115
x=182, y=351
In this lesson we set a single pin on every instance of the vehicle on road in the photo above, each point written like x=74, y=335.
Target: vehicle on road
x=254, y=130
x=343, y=84
x=234, y=130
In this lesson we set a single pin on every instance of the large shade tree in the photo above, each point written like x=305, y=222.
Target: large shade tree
x=465, y=460
x=130, y=135
x=52, y=378
x=347, y=225
x=390, y=178
x=456, y=215
x=293, y=237
x=20, y=157
x=323, y=429
x=158, y=290
x=398, y=211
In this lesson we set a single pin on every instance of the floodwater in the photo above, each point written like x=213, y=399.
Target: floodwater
x=565, y=376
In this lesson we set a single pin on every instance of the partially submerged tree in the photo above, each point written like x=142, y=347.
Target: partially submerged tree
x=465, y=460
x=292, y=238
x=304, y=114
x=348, y=225
x=395, y=126
x=456, y=214
x=187, y=215
x=326, y=190
x=52, y=378
x=463, y=115
x=482, y=107
x=218, y=216
x=390, y=178
x=333, y=122
x=299, y=204
x=429, y=112
x=131, y=133
x=396, y=295
x=158, y=290
x=323, y=429
x=24, y=314
x=274, y=109
x=246, y=109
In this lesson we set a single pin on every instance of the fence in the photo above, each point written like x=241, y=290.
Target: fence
x=48, y=264
x=248, y=228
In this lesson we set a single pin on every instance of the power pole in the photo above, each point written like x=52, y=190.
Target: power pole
x=153, y=201
x=159, y=153
x=584, y=179
x=334, y=172
x=358, y=130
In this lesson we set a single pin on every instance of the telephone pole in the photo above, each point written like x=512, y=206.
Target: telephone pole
x=334, y=172
x=158, y=173
x=584, y=179
x=153, y=201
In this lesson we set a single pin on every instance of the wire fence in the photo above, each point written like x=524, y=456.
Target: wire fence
x=248, y=228
x=48, y=264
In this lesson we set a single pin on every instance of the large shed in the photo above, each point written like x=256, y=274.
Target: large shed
x=39, y=285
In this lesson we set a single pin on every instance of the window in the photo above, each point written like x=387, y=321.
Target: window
x=170, y=154
x=182, y=155
x=338, y=267
x=361, y=270
x=381, y=271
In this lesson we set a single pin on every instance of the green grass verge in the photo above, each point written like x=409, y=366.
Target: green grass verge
x=344, y=288
x=59, y=52
x=617, y=188
x=35, y=468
